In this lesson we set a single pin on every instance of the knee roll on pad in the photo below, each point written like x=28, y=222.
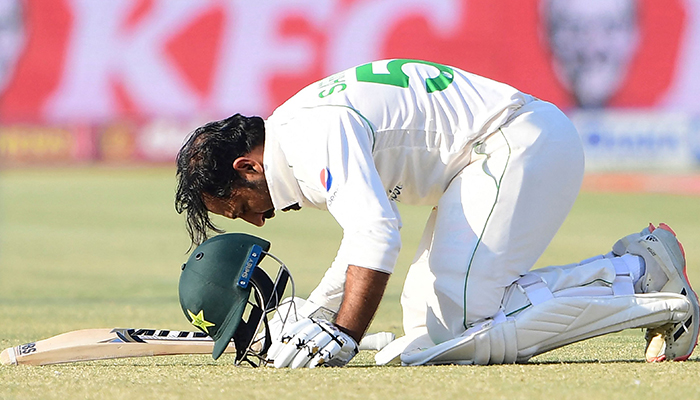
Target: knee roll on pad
x=497, y=345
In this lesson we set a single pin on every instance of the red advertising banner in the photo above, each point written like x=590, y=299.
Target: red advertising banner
x=101, y=63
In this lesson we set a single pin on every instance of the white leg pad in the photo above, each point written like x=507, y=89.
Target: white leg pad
x=552, y=324
x=499, y=346
x=572, y=319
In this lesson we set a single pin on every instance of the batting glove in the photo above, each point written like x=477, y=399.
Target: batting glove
x=311, y=343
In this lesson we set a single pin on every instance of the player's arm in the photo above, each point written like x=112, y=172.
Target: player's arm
x=371, y=239
x=356, y=197
x=364, y=289
x=336, y=143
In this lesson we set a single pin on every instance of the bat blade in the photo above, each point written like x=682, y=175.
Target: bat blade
x=100, y=344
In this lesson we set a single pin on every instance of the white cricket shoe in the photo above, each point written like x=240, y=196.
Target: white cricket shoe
x=620, y=247
x=665, y=272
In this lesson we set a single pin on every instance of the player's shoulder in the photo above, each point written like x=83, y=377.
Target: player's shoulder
x=321, y=118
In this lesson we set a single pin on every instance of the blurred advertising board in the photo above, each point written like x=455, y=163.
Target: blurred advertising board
x=634, y=140
x=156, y=140
x=27, y=144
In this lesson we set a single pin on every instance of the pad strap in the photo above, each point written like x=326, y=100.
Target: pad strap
x=535, y=288
x=623, y=283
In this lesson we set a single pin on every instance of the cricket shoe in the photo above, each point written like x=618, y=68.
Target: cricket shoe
x=666, y=271
x=620, y=247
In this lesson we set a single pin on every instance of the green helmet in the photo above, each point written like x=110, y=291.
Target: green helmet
x=221, y=282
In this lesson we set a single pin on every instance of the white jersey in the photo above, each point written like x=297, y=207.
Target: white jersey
x=387, y=131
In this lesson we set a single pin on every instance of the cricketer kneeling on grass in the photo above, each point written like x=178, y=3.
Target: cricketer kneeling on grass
x=501, y=169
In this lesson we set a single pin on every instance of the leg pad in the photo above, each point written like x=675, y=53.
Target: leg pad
x=552, y=324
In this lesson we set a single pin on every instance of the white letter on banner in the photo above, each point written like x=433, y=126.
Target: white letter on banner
x=256, y=51
x=99, y=52
x=364, y=29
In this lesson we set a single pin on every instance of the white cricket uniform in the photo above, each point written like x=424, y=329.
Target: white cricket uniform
x=501, y=168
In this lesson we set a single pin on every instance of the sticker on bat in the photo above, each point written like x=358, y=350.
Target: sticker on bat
x=27, y=348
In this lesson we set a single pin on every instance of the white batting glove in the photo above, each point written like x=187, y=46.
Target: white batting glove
x=311, y=343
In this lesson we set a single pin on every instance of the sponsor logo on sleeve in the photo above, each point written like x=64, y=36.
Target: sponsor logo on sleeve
x=395, y=193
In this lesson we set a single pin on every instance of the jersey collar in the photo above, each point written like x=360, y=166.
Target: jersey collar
x=284, y=189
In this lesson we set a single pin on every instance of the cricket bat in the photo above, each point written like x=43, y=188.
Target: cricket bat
x=100, y=344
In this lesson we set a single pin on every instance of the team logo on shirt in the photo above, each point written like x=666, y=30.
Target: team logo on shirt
x=326, y=178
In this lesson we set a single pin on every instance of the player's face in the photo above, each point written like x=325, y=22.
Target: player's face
x=252, y=204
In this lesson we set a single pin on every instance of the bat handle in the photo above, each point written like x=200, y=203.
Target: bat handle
x=8, y=356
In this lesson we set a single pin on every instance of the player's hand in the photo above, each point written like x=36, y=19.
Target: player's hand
x=310, y=343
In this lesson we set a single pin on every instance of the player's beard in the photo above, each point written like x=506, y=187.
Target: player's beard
x=260, y=187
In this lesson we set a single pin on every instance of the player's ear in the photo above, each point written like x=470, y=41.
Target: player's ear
x=247, y=165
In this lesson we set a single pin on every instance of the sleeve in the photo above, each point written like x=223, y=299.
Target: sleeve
x=338, y=164
x=357, y=198
x=358, y=201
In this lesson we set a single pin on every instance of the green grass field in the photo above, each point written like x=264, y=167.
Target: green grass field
x=102, y=247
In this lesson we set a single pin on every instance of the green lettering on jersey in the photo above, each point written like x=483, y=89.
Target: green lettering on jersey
x=396, y=76
x=323, y=93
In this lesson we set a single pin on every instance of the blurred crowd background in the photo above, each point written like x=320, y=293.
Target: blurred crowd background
x=125, y=81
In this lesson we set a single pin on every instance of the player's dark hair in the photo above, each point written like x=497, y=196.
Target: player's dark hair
x=205, y=166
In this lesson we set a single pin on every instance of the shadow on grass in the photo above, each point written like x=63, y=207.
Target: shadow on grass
x=364, y=361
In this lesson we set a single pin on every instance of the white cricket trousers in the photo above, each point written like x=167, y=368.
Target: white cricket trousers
x=494, y=221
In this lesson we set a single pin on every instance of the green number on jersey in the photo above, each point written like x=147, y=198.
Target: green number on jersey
x=396, y=77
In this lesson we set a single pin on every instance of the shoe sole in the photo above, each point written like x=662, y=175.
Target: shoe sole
x=656, y=344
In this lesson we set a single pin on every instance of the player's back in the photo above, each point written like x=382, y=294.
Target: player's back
x=420, y=118
x=413, y=95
